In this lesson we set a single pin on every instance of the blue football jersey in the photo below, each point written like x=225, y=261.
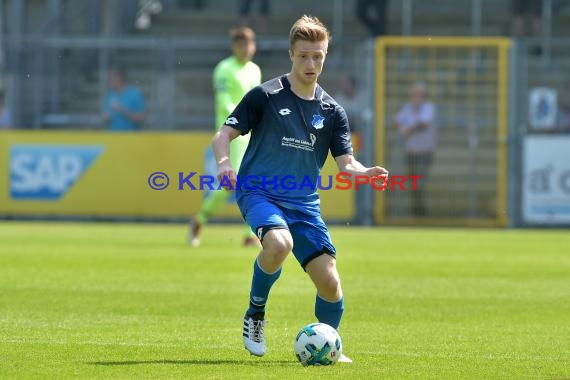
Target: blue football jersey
x=289, y=144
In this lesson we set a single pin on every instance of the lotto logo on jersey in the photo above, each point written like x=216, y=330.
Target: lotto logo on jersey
x=47, y=172
x=231, y=121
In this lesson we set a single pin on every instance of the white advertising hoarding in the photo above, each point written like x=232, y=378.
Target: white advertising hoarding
x=546, y=180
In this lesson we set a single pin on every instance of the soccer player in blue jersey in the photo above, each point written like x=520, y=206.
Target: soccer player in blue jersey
x=294, y=123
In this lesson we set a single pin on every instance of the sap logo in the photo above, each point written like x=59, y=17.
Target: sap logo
x=47, y=172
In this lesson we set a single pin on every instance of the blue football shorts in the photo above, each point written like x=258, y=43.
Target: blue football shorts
x=311, y=237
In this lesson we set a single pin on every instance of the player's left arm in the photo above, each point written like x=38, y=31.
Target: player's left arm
x=341, y=150
x=347, y=163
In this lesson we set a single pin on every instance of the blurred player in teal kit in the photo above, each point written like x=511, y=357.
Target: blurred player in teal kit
x=294, y=124
x=233, y=78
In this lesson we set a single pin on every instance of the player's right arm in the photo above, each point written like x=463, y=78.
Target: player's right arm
x=221, y=147
x=244, y=118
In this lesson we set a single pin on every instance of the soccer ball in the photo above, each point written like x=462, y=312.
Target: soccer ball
x=318, y=344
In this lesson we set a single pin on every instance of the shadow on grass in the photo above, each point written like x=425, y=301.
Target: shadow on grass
x=194, y=362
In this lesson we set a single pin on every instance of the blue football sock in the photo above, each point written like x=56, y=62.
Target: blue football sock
x=329, y=312
x=260, y=286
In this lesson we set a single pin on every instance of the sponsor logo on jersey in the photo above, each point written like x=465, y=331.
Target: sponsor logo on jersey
x=313, y=139
x=293, y=142
x=284, y=111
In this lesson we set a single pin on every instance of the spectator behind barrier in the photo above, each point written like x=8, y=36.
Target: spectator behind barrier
x=416, y=121
x=124, y=105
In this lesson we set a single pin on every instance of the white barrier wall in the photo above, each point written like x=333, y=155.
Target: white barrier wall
x=546, y=180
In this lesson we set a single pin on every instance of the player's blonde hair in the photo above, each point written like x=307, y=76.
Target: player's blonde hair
x=308, y=28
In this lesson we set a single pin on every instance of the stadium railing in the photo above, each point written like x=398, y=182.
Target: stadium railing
x=468, y=82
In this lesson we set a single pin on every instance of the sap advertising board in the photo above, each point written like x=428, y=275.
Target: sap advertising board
x=47, y=172
x=99, y=174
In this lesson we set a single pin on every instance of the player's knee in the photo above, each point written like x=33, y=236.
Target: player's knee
x=333, y=285
x=330, y=288
x=278, y=245
x=281, y=247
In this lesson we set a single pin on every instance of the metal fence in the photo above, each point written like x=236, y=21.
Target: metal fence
x=467, y=81
x=62, y=81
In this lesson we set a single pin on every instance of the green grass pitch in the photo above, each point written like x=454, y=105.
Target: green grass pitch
x=134, y=301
